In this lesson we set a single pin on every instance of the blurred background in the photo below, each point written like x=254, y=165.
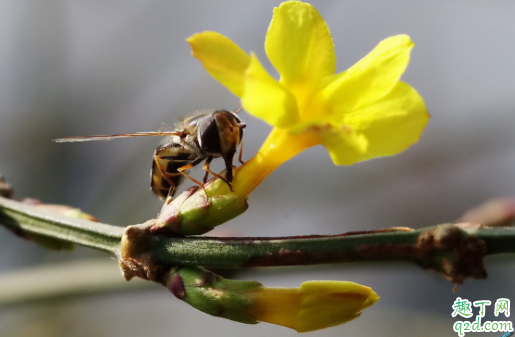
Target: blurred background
x=71, y=68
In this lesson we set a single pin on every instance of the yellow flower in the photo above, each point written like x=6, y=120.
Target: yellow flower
x=315, y=305
x=361, y=113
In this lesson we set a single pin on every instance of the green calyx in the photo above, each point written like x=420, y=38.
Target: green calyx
x=197, y=211
x=211, y=293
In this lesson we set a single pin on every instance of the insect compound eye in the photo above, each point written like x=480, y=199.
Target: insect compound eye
x=233, y=123
x=237, y=123
x=209, y=136
x=230, y=132
x=241, y=126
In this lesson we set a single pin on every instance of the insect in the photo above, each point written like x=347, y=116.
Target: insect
x=199, y=138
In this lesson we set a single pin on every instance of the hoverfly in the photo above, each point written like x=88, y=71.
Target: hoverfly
x=197, y=138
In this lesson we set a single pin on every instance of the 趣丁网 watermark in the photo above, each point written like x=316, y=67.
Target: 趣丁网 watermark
x=463, y=308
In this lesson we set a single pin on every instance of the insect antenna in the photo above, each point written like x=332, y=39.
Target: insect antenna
x=111, y=137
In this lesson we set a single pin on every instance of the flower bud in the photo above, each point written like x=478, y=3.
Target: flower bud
x=315, y=305
x=198, y=210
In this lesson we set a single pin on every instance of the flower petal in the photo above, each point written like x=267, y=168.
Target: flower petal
x=222, y=58
x=372, y=77
x=266, y=98
x=315, y=305
x=345, y=146
x=299, y=44
x=390, y=126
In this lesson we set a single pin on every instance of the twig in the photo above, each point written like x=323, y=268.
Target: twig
x=455, y=251
x=25, y=220
x=78, y=277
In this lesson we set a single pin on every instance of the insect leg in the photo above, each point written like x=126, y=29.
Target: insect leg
x=208, y=161
x=187, y=167
x=206, y=167
x=241, y=153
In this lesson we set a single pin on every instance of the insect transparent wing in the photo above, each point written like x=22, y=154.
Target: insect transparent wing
x=164, y=128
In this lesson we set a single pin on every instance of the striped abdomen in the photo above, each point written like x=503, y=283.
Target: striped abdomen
x=171, y=156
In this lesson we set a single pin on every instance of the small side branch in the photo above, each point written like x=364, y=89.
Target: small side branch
x=33, y=223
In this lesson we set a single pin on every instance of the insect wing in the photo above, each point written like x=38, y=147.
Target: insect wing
x=110, y=137
x=164, y=128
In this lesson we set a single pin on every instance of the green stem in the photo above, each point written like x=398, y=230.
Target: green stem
x=499, y=240
x=270, y=251
x=316, y=249
x=455, y=251
x=28, y=220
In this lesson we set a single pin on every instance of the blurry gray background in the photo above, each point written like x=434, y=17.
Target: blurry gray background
x=104, y=67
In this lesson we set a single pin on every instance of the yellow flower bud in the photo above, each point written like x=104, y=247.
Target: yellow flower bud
x=315, y=305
